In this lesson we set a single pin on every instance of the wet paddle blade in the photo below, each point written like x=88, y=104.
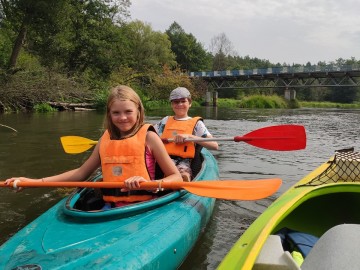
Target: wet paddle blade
x=227, y=190
x=278, y=138
x=76, y=144
x=236, y=189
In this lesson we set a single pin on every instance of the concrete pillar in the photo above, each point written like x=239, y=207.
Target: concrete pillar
x=287, y=94
x=208, y=98
x=290, y=94
x=215, y=97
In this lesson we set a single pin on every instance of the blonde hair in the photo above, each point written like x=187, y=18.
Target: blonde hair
x=123, y=92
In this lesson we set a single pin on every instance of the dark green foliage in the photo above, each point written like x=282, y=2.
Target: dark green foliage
x=190, y=54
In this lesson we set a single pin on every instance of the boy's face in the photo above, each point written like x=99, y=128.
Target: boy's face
x=180, y=107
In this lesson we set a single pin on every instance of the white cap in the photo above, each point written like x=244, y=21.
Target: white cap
x=180, y=92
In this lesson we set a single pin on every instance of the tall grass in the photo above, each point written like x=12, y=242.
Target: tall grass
x=256, y=101
x=263, y=102
x=228, y=103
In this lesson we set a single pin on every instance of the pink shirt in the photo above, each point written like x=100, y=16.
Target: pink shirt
x=150, y=162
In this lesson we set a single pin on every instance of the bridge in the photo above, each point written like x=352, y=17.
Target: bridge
x=286, y=77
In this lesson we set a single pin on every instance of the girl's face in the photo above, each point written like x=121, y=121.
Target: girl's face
x=180, y=107
x=124, y=115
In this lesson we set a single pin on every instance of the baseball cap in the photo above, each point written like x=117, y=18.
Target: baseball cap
x=180, y=92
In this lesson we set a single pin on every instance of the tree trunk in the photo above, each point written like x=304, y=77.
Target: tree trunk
x=17, y=46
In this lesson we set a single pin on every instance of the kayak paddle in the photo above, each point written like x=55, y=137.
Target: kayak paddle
x=277, y=138
x=226, y=189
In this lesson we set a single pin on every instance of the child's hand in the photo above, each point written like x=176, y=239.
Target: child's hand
x=11, y=182
x=181, y=138
x=133, y=183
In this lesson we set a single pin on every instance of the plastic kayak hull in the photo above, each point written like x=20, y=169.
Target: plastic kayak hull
x=157, y=234
x=325, y=198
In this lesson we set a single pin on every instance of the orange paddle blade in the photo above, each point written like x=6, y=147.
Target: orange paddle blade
x=227, y=190
x=233, y=189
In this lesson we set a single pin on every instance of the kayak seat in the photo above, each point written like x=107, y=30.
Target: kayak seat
x=338, y=248
x=197, y=161
x=274, y=257
x=297, y=241
x=90, y=200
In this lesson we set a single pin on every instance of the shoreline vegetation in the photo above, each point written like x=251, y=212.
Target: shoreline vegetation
x=39, y=90
x=57, y=54
x=249, y=102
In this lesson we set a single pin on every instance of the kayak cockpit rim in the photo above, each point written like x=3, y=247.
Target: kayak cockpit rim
x=69, y=207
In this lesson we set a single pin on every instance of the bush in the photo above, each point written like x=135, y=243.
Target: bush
x=44, y=108
x=263, y=102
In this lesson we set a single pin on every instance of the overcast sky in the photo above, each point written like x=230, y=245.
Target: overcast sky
x=281, y=31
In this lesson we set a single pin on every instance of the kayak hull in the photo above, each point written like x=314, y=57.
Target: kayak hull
x=305, y=207
x=149, y=236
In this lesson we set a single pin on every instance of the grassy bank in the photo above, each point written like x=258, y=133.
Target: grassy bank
x=257, y=101
x=277, y=102
x=313, y=104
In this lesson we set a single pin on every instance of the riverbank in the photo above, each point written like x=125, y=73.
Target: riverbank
x=276, y=102
x=249, y=102
x=313, y=104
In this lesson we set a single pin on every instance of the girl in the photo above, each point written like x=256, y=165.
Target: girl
x=127, y=151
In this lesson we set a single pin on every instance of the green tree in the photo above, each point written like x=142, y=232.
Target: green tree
x=148, y=49
x=21, y=15
x=190, y=54
x=77, y=34
x=93, y=43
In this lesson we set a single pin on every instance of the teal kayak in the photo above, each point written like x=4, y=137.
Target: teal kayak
x=313, y=225
x=156, y=234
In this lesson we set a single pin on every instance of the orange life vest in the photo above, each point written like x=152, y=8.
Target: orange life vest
x=121, y=159
x=173, y=127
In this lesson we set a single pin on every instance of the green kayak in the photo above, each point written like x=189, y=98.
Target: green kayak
x=313, y=225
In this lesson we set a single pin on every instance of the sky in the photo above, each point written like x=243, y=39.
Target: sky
x=281, y=31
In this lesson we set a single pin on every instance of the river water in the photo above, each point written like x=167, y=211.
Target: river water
x=35, y=151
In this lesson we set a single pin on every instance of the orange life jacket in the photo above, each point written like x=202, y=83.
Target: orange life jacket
x=173, y=127
x=121, y=159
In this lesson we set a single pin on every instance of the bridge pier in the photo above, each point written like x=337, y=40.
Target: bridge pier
x=290, y=94
x=211, y=96
x=215, y=97
x=207, y=98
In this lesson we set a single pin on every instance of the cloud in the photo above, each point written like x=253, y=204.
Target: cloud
x=290, y=31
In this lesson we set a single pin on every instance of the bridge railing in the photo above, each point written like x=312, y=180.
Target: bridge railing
x=276, y=70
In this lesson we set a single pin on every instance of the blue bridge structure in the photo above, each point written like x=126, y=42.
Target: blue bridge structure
x=286, y=77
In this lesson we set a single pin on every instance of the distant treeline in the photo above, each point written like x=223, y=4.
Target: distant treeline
x=74, y=51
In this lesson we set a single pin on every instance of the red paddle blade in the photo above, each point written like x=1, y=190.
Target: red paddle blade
x=278, y=138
